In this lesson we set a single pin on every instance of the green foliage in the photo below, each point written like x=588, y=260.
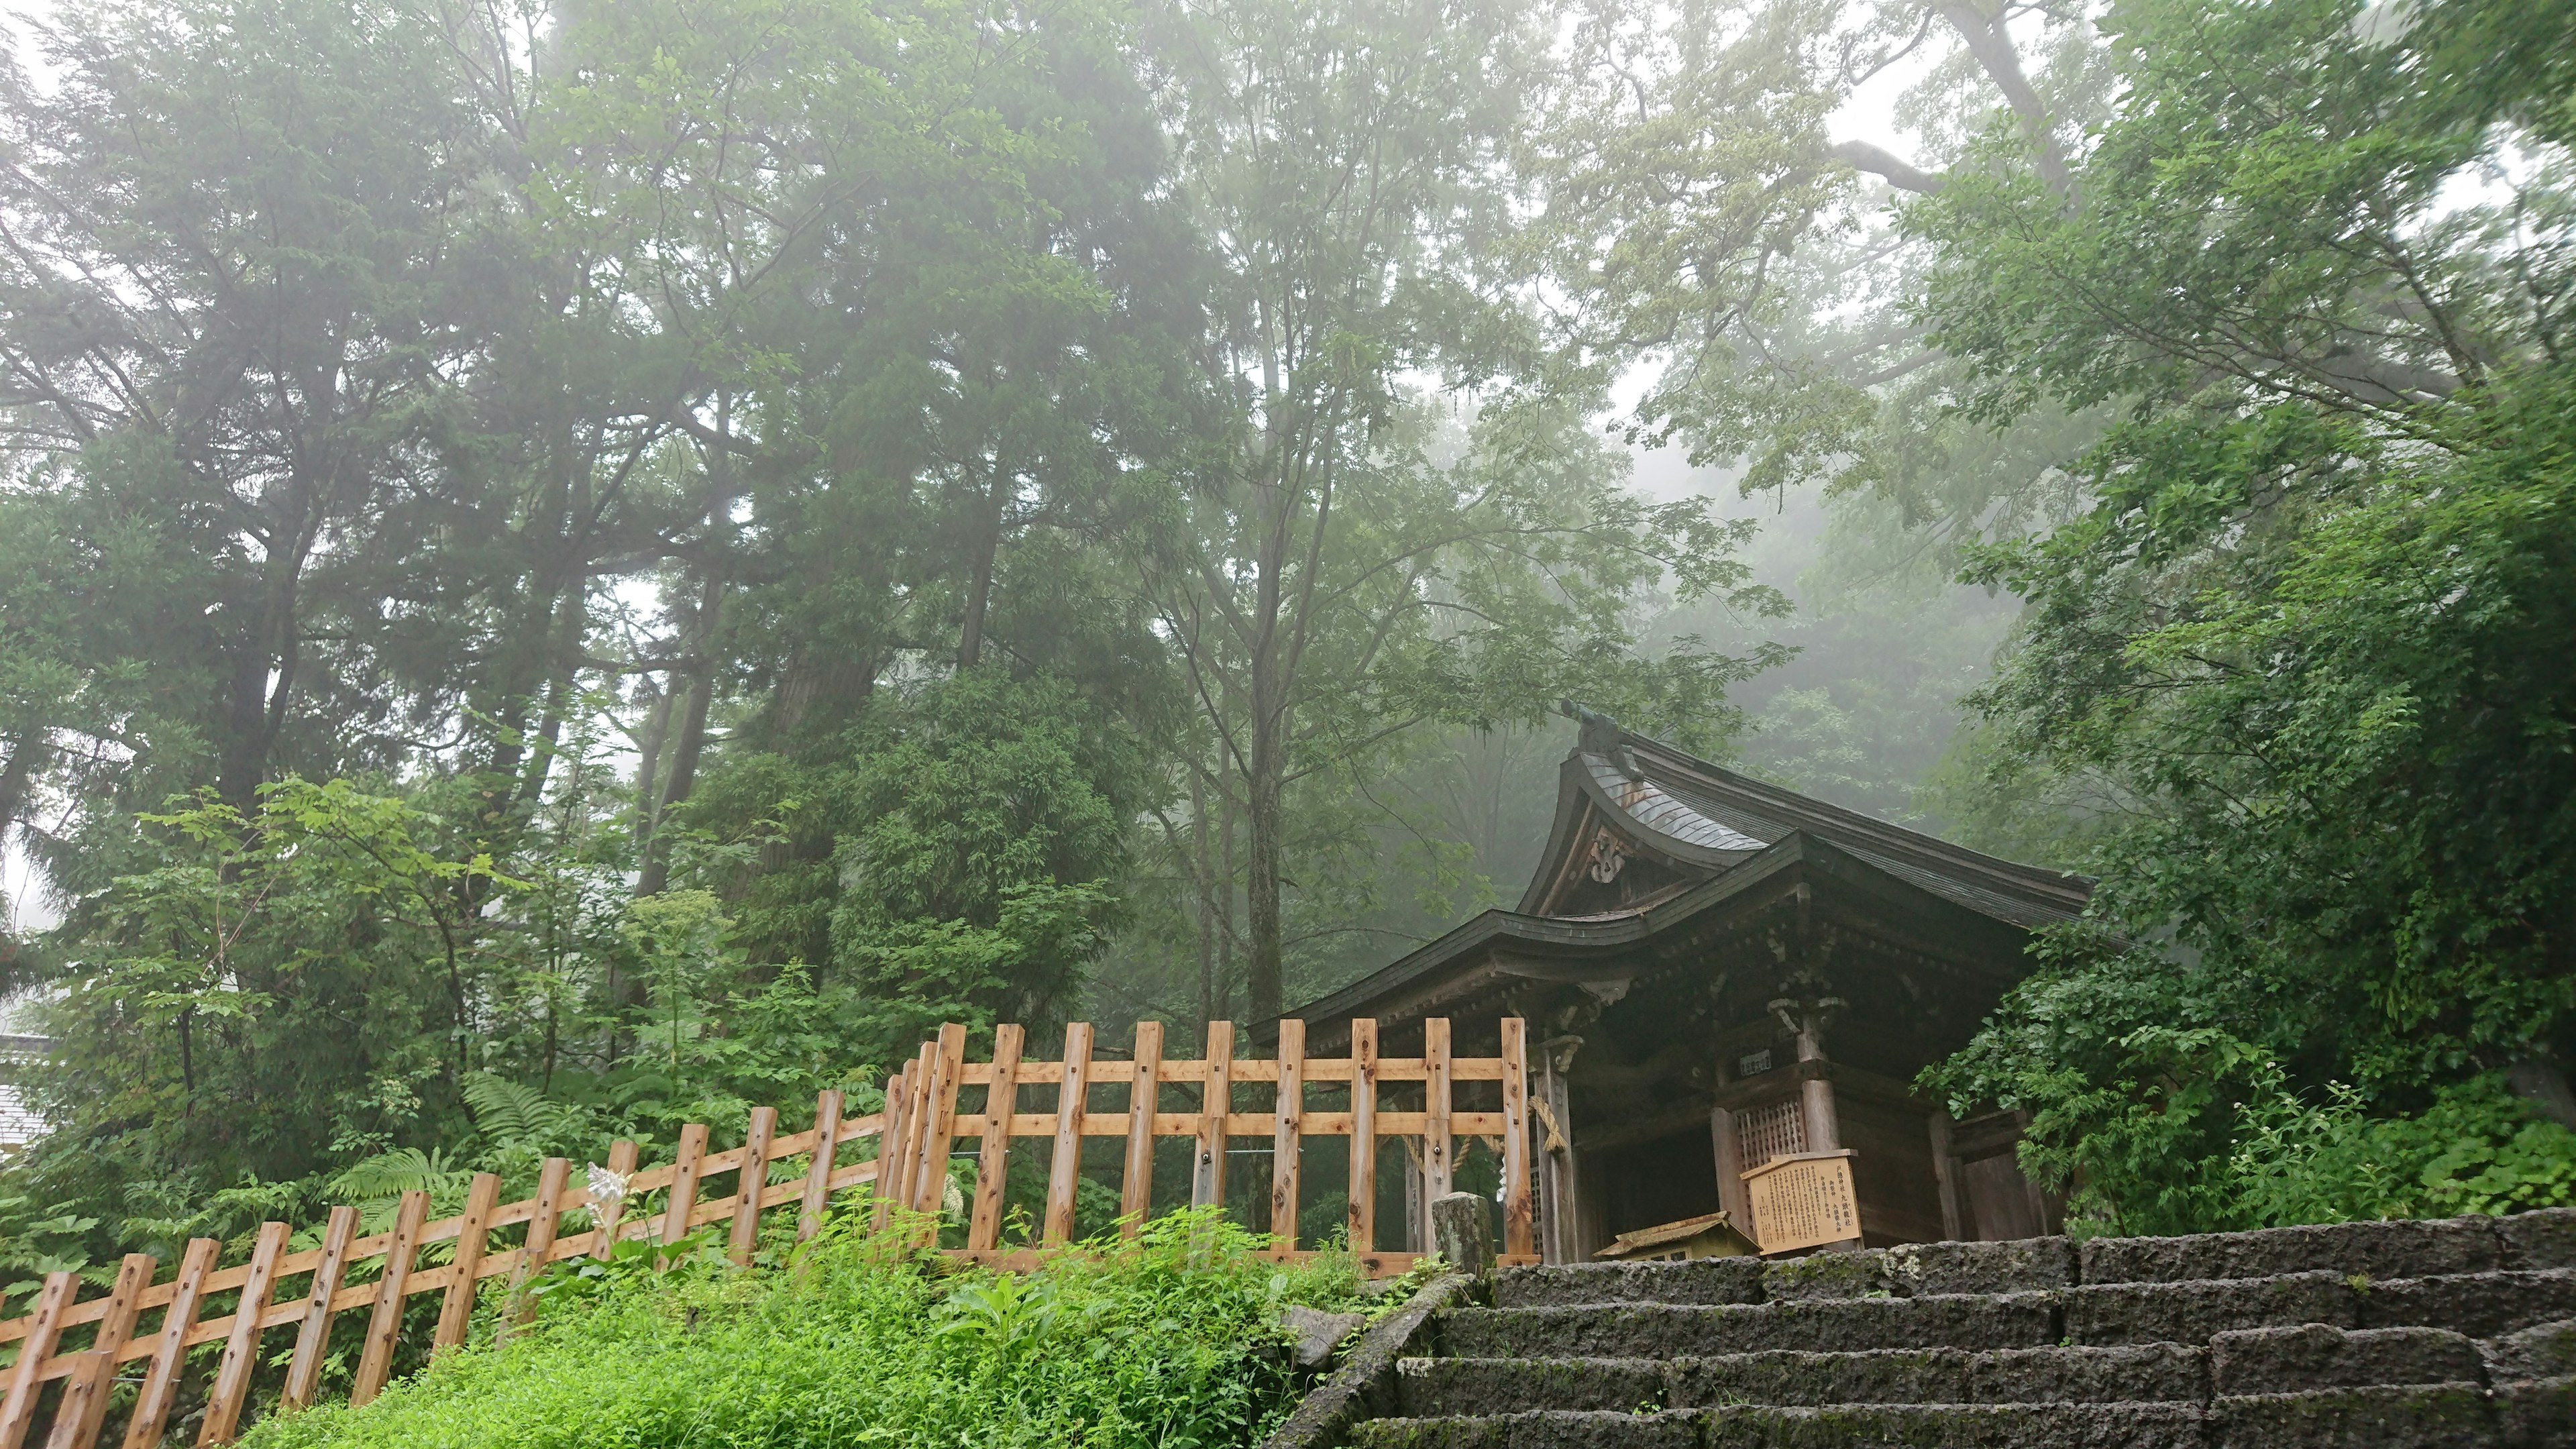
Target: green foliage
x=1169, y=1340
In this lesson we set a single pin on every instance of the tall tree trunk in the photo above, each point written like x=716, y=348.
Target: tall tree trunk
x=685, y=751
x=1200, y=867
x=986, y=544
x=16, y=775
x=648, y=764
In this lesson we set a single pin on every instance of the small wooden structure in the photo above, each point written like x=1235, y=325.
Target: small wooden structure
x=1729, y=982
x=1709, y=1235
x=900, y=1156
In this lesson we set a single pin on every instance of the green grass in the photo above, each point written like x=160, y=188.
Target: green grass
x=1168, y=1341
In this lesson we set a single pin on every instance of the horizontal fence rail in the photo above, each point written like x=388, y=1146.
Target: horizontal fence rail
x=899, y=1155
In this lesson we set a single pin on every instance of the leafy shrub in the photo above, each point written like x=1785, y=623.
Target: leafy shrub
x=2475, y=1150
x=1167, y=1341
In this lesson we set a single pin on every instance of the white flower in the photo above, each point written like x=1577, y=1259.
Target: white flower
x=606, y=1186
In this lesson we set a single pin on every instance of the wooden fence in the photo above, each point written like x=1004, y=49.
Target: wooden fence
x=912, y=1141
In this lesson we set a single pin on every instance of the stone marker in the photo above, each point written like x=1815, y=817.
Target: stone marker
x=1463, y=1233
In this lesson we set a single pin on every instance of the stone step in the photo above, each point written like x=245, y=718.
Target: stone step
x=1665, y=1331
x=1429, y=1388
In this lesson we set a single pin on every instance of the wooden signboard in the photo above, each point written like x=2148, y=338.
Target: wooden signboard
x=1804, y=1200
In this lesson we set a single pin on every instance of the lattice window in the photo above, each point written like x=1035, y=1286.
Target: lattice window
x=1776, y=1130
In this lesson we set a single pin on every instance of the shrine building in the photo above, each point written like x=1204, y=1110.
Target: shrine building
x=1729, y=989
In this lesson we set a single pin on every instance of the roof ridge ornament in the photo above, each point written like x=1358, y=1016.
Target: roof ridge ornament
x=1602, y=736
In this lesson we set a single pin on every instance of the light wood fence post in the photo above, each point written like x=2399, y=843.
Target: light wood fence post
x=939, y=1128
x=473, y=1236
x=1518, y=1221
x=1144, y=1098
x=313, y=1336
x=1072, y=1102
x=44, y=1330
x=818, y=1175
x=1287, y=1139
x=993, y=1162
x=161, y=1380
x=1363, y=1190
x=545, y=1224
x=241, y=1347
x=1437, y=1141
x=684, y=1189
x=384, y=1325
x=750, y=1183
x=1207, y=1182
x=83, y=1409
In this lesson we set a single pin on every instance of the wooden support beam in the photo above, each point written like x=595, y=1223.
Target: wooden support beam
x=241, y=1347
x=1144, y=1093
x=1437, y=1143
x=889, y=1182
x=993, y=1162
x=187, y=1293
x=1363, y=1189
x=473, y=1234
x=384, y=1325
x=313, y=1334
x=1072, y=1103
x=751, y=1179
x=818, y=1176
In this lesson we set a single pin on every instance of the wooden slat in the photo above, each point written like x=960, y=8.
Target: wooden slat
x=83, y=1408
x=939, y=1129
x=384, y=1326
x=1437, y=1144
x=1290, y=1113
x=161, y=1381
x=921, y=1103
x=889, y=1145
x=313, y=1339
x=608, y=1214
x=753, y=1180
x=543, y=1228
x=241, y=1349
x=473, y=1235
x=1260, y=1123
x=1073, y=1100
x=1519, y=1221
x=684, y=1187
x=1207, y=1180
x=1136, y=1185
x=1363, y=1134
x=993, y=1163
x=45, y=1329
x=818, y=1177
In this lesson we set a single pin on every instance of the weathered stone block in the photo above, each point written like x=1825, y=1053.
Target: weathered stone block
x=1431, y=1387
x=2020, y=1266
x=2482, y=1305
x=2536, y=1414
x=2313, y=1356
x=1886, y=1376
x=1699, y=1281
x=2191, y=1312
x=2542, y=1351
x=1847, y=1325
x=2543, y=1239
x=1543, y=1429
x=2378, y=1250
x=2144, y=1373
x=1821, y=1276
x=1958, y=1426
x=2423, y=1416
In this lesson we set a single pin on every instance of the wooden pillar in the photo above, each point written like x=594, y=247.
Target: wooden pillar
x=1945, y=1177
x=1731, y=1192
x=1560, y=1240
x=1816, y=1095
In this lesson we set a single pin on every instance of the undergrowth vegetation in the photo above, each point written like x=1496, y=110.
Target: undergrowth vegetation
x=1168, y=1340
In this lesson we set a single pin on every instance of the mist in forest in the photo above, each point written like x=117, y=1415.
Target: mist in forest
x=639, y=557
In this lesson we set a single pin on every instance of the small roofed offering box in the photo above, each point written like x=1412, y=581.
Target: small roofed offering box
x=1804, y=1200
x=1709, y=1235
